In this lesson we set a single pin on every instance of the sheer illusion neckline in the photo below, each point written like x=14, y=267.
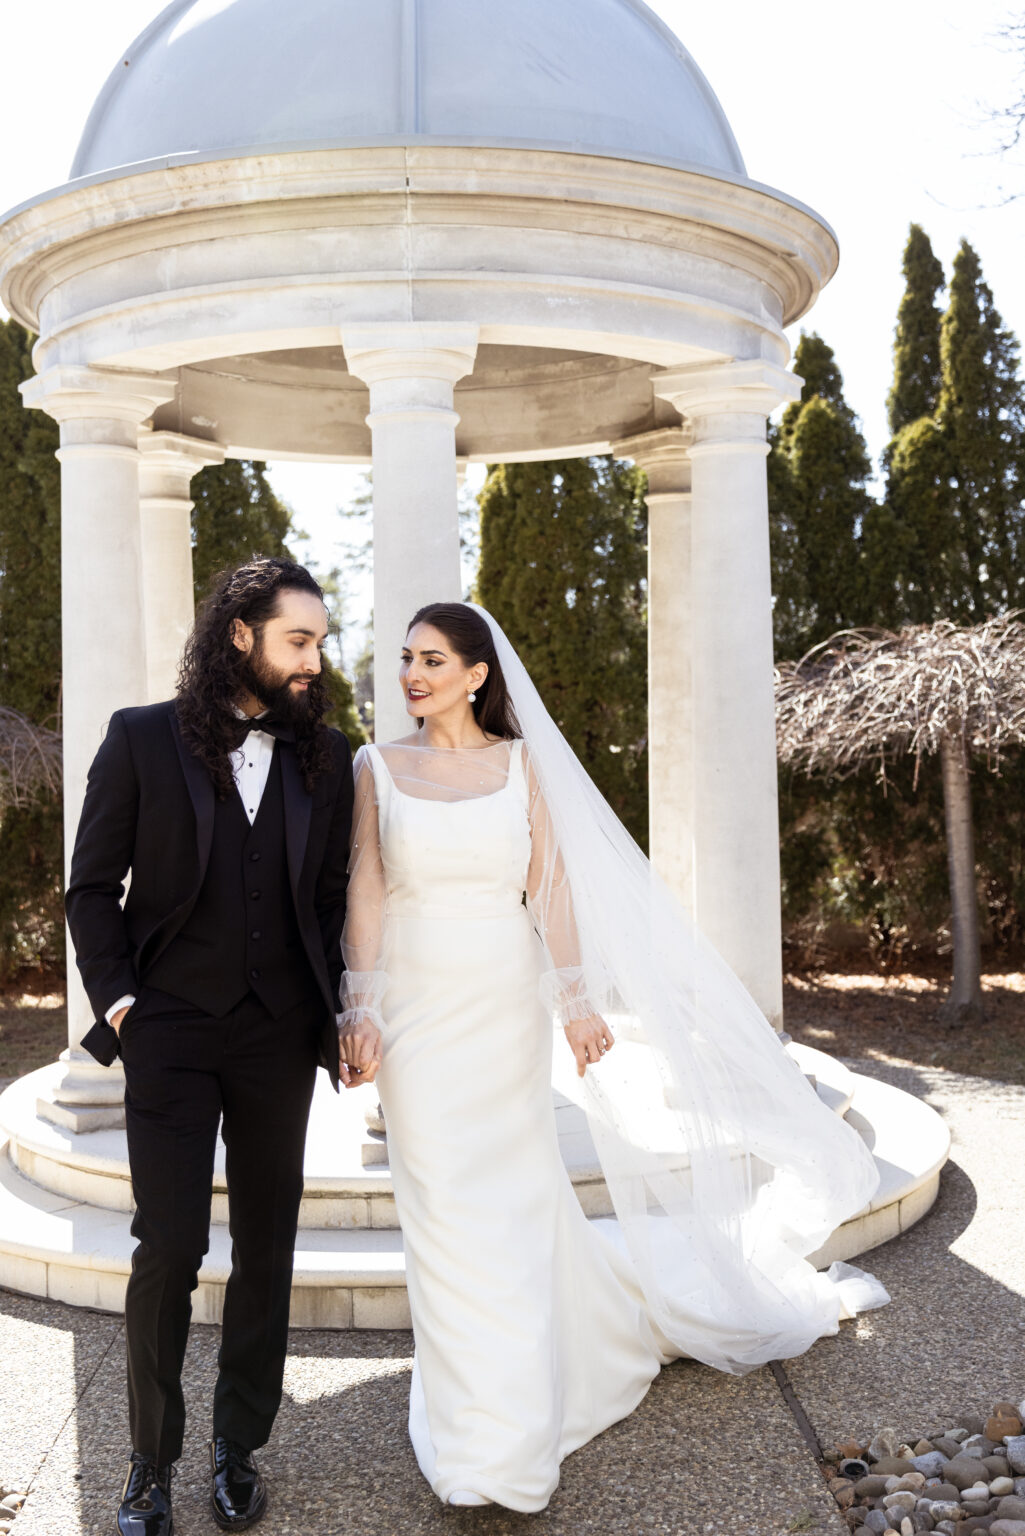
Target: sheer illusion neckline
x=442, y=751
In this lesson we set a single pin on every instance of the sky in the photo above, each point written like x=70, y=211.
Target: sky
x=875, y=115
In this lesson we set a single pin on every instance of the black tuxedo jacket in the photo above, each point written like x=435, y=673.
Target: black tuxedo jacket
x=149, y=807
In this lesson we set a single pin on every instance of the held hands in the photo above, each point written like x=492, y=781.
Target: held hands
x=589, y=1039
x=359, y=1053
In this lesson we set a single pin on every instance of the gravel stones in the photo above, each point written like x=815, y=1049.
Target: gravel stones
x=945, y=1492
x=931, y=1463
x=883, y=1445
x=1003, y=1421
x=1001, y=1486
x=1015, y=1453
x=944, y=1509
x=842, y=1491
x=871, y=1487
x=1011, y=1508
x=1008, y=1527
x=911, y=1482
x=963, y=1471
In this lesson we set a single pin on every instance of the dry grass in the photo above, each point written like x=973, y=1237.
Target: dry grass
x=894, y=1016
x=852, y=1011
x=33, y=1025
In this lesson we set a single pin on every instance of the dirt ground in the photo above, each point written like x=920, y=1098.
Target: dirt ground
x=33, y=1024
x=891, y=1016
x=894, y=1016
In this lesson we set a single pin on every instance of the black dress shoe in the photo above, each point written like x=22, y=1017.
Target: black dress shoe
x=145, y=1508
x=238, y=1496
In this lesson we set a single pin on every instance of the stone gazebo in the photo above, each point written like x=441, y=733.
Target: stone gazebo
x=409, y=233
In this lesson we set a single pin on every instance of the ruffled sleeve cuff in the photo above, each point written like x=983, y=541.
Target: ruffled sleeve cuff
x=362, y=997
x=565, y=996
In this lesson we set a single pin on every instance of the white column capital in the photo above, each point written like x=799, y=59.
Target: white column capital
x=727, y=402
x=169, y=461
x=402, y=351
x=73, y=394
x=664, y=455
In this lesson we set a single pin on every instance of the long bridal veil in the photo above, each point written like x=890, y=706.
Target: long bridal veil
x=725, y=1169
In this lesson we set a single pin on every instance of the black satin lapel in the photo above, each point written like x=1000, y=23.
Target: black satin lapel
x=201, y=793
x=298, y=809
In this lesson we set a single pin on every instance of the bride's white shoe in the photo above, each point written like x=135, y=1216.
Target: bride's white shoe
x=464, y=1497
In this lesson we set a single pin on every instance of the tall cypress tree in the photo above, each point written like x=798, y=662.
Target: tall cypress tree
x=30, y=666
x=818, y=503
x=562, y=569
x=31, y=840
x=916, y=346
x=236, y=514
x=980, y=413
x=957, y=472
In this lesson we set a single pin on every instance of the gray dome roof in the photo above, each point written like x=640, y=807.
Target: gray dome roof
x=215, y=78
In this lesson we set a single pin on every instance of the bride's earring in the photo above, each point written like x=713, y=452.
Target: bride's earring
x=471, y=698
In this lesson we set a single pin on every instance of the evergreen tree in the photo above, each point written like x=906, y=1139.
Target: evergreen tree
x=980, y=413
x=916, y=348
x=818, y=501
x=31, y=840
x=30, y=666
x=562, y=569
x=236, y=515
x=957, y=473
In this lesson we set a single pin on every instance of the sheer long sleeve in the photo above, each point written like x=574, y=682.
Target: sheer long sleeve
x=563, y=987
x=364, y=980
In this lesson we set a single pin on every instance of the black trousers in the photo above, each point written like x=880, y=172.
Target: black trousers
x=183, y=1071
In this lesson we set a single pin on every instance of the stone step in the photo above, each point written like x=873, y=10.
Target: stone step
x=54, y=1244
x=78, y=1253
x=910, y=1143
x=343, y=1191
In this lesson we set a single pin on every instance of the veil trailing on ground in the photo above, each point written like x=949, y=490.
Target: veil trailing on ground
x=724, y=1167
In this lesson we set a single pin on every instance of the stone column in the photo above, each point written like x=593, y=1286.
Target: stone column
x=169, y=461
x=664, y=455
x=104, y=641
x=736, y=812
x=412, y=371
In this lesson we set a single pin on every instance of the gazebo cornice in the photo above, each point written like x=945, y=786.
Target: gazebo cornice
x=103, y=219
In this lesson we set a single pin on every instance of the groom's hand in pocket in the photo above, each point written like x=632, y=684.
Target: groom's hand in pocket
x=360, y=1051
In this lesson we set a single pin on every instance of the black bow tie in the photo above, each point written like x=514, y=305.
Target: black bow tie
x=269, y=726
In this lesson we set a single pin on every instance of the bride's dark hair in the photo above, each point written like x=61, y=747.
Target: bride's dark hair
x=470, y=637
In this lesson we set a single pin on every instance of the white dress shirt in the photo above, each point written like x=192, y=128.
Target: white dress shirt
x=250, y=767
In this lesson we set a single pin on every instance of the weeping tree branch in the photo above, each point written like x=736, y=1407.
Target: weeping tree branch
x=868, y=696
x=31, y=760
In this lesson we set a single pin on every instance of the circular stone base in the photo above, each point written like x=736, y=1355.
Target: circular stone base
x=66, y=1202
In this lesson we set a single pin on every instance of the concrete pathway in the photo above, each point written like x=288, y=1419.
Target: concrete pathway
x=705, y=1455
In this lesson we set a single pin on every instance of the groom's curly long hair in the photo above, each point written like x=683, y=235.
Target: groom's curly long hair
x=211, y=676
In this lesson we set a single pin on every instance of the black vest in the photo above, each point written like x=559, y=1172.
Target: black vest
x=242, y=935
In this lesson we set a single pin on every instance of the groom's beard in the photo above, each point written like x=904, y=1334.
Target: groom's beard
x=273, y=688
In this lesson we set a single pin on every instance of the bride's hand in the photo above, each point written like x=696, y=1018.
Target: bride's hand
x=359, y=1053
x=589, y=1039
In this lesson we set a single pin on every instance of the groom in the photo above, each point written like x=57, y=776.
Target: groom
x=217, y=984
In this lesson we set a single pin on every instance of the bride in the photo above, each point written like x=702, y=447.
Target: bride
x=492, y=891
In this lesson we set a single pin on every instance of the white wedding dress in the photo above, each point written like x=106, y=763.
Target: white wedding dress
x=534, y=1327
